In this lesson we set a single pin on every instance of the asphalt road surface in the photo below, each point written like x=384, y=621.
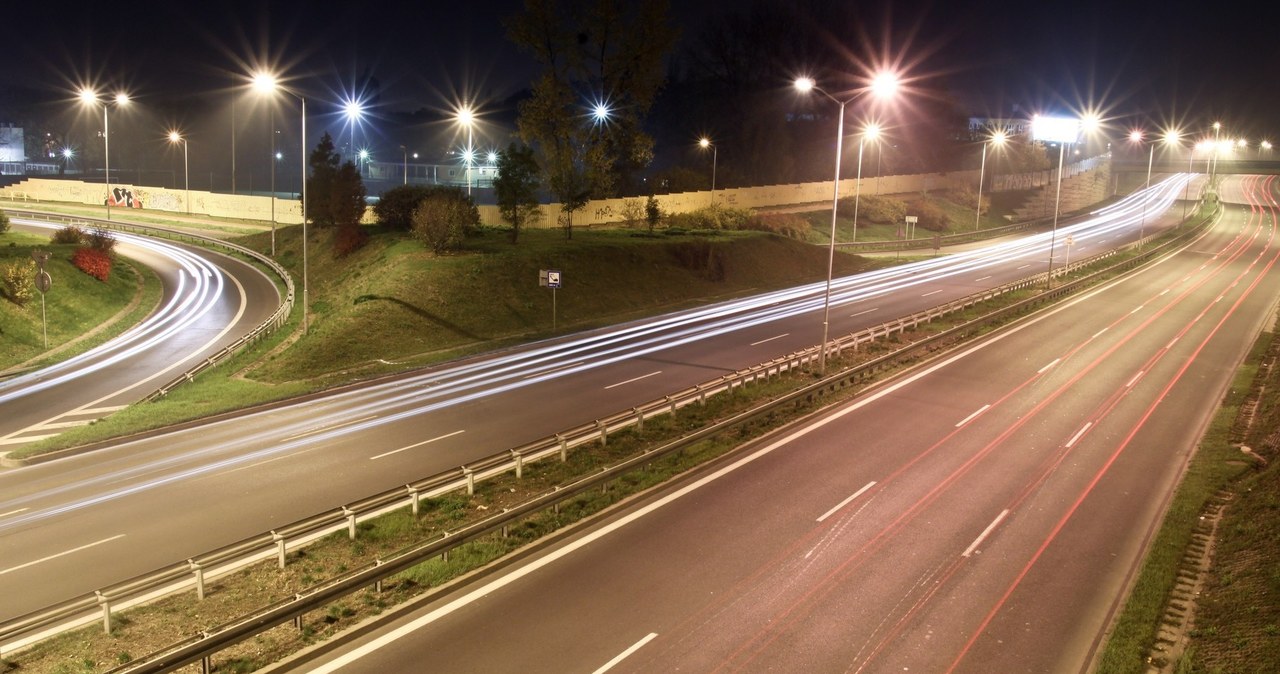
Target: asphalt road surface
x=209, y=300
x=78, y=524
x=983, y=513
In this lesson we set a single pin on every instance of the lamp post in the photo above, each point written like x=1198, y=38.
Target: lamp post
x=997, y=138
x=362, y=161
x=266, y=83
x=405, y=150
x=1062, y=131
x=175, y=137
x=466, y=117
x=1186, y=195
x=274, y=158
x=354, y=111
x=883, y=85
x=872, y=132
x=705, y=143
x=90, y=97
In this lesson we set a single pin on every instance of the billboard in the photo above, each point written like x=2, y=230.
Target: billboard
x=1055, y=129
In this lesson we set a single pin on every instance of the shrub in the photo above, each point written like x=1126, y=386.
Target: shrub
x=93, y=262
x=395, y=209
x=789, y=225
x=712, y=217
x=18, y=279
x=348, y=239
x=444, y=218
x=872, y=208
x=931, y=215
x=4, y=222
x=633, y=213
x=68, y=234
x=101, y=240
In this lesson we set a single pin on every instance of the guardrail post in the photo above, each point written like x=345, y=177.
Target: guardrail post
x=199, y=573
x=471, y=480
x=415, y=498
x=639, y=419
x=604, y=433
x=377, y=584
x=564, y=448
x=351, y=522
x=519, y=464
x=106, y=611
x=669, y=399
x=702, y=395
x=206, y=665
x=279, y=547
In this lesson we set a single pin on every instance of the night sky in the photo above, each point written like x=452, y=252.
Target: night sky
x=1167, y=62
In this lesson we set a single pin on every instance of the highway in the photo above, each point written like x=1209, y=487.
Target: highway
x=77, y=524
x=983, y=513
x=209, y=300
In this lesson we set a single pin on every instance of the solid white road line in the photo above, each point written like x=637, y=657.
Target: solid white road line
x=933, y=292
x=19, y=441
x=981, y=279
x=973, y=416
x=95, y=410
x=1079, y=433
x=643, y=376
x=846, y=502
x=1022, y=267
x=985, y=532
x=623, y=655
x=1046, y=367
x=1135, y=379
x=328, y=428
x=785, y=334
x=1098, y=333
x=416, y=444
x=61, y=554
x=863, y=312
x=14, y=512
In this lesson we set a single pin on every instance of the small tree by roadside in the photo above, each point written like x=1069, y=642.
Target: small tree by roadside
x=443, y=219
x=632, y=213
x=516, y=188
x=4, y=222
x=17, y=280
x=394, y=209
x=652, y=212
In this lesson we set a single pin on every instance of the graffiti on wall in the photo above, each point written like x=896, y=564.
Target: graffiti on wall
x=123, y=197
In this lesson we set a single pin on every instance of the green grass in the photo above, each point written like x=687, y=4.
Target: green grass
x=207, y=224
x=74, y=301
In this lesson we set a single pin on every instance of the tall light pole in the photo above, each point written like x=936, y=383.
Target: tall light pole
x=354, y=111
x=466, y=117
x=883, y=85
x=90, y=97
x=362, y=160
x=266, y=84
x=272, y=117
x=1062, y=131
x=705, y=143
x=997, y=138
x=1186, y=196
x=871, y=132
x=406, y=163
x=175, y=137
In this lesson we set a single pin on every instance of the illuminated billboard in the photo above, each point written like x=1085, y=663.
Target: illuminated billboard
x=1055, y=129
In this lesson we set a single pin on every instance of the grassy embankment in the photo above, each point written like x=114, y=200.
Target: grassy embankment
x=75, y=300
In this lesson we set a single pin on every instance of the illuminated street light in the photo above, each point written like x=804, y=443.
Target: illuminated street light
x=1062, y=131
x=354, y=112
x=1136, y=136
x=601, y=112
x=405, y=151
x=705, y=143
x=175, y=137
x=265, y=83
x=90, y=97
x=466, y=117
x=492, y=158
x=998, y=138
x=883, y=85
x=362, y=159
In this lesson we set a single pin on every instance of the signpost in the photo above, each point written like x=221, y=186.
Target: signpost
x=1071, y=241
x=43, y=283
x=911, y=226
x=550, y=278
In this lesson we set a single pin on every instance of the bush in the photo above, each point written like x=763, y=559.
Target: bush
x=395, y=209
x=348, y=239
x=4, y=222
x=444, y=218
x=789, y=225
x=68, y=234
x=101, y=240
x=93, y=262
x=712, y=217
x=931, y=215
x=18, y=279
x=872, y=208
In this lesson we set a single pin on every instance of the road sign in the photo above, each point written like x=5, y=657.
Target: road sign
x=1071, y=240
x=40, y=257
x=553, y=278
x=43, y=281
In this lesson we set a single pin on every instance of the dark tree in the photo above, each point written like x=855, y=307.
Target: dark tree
x=347, y=196
x=444, y=218
x=516, y=187
x=324, y=173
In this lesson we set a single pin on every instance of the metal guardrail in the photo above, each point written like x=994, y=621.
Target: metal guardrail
x=194, y=572
x=277, y=319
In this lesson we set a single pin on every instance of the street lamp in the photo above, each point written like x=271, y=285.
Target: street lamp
x=354, y=111
x=266, y=84
x=405, y=151
x=997, y=139
x=363, y=160
x=175, y=137
x=883, y=85
x=1062, y=131
x=705, y=143
x=90, y=97
x=466, y=117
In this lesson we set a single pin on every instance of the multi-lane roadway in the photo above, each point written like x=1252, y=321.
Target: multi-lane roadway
x=984, y=513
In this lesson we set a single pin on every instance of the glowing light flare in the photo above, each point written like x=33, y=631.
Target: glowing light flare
x=704, y=143
x=1055, y=129
x=884, y=85
x=999, y=138
x=805, y=84
x=175, y=137
x=1135, y=136
x=264, y=83
x=871, y=132
x=465, y=116
x=68, y=152
x=353, y=109
x=492, y=157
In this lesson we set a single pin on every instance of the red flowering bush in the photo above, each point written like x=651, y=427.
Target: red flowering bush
x=93, y=262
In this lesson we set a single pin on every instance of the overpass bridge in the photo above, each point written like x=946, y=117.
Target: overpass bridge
x=1225, y=165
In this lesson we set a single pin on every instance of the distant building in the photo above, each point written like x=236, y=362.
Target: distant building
x=1016, y=123
x=12, y=148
